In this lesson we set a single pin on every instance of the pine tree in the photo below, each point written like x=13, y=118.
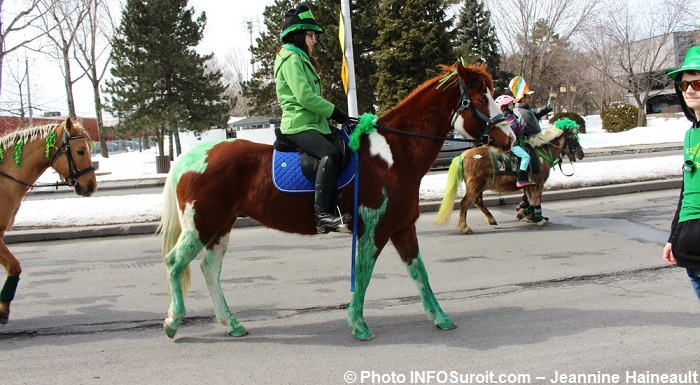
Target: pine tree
x=160, y=83
x=413, y=40
x=476, y=41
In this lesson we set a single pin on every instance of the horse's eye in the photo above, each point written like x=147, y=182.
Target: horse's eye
x=483, y=100
x=81, y=152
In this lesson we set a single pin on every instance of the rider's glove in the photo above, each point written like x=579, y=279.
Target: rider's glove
x=339, y=115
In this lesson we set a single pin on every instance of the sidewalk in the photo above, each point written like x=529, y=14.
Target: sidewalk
x=490, y=199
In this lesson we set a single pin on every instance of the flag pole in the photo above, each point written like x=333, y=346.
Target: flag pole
x=348, y=75
x=349, y=58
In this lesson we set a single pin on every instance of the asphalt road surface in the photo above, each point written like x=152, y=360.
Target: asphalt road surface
x=588, y=296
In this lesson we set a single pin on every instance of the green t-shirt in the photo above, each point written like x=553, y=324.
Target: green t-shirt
x=690, y=207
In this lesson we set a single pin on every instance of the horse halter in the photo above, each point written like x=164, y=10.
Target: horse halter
x=64, y=149
x=464, y=103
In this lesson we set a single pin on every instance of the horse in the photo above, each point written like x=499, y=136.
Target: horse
x=213, y=184
x=474, y=167
x=24, y=156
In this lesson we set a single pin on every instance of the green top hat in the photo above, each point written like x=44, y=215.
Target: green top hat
x=690, y=63
x=299, y=18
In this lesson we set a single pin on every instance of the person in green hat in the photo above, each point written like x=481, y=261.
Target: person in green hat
x=683, y=246
x=305, y=112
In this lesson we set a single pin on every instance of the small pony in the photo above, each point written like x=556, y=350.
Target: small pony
x=213, y=184
x=474, y=167
x=23, y=158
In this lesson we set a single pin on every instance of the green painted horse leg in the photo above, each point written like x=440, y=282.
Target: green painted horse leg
x=211, y=268
x=177, y=261
x=368, y=250
x=416, y=269
x=363, y=273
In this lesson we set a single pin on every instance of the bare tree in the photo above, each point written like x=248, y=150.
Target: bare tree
x=634, y=47
x=93, y=54
x=23, y=19
x=533, y=33
x=235, y=72
x=61, y=23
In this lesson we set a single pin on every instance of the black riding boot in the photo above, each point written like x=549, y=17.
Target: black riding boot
x=327, y=219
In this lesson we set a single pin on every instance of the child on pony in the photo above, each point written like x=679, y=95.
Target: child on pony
x=506, y=104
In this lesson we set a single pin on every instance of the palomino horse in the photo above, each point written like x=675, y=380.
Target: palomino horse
x=475, y=168
x=214, y=183
x=24, y=156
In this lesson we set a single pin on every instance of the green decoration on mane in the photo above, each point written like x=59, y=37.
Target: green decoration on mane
x=2, y=153
x=366, y=124
x=50, y=143
x=566, y=124
x=17, y=152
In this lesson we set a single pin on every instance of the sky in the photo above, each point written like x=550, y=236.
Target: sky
x=223, y=34
x=98, y=210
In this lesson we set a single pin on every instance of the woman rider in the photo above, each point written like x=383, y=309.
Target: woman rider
x=305, y=112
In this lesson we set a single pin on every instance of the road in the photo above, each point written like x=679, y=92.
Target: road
x=586, y=295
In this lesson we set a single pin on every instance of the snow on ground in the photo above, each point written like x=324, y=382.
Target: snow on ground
x=98, y=210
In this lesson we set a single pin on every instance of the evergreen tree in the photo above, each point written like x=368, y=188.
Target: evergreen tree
x=413, y=40
x=476, y=41
x=160, y=83
x=260, y=89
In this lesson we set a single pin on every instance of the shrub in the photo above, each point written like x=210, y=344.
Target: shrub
x=619, y=117
x=570, y=115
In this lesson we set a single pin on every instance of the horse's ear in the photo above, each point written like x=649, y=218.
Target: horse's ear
x=68, y=124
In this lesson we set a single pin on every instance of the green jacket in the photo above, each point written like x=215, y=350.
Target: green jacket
x=299, y=93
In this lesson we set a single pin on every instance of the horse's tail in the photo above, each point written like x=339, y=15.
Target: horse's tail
x=169, y=227
x=455, y=175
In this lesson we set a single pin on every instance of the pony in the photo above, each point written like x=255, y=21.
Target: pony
x=24, y=156
x=474, y=167
x=213, y=184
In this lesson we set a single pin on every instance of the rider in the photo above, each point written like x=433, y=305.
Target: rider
x=506, y=104
x=305, y=111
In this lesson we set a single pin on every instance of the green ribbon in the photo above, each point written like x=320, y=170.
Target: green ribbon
x=366, y=124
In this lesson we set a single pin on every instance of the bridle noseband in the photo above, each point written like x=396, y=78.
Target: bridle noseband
x=464, y=103
x=64, y=149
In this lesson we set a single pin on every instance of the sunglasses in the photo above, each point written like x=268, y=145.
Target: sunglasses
x=312, y=36
x=683, y=85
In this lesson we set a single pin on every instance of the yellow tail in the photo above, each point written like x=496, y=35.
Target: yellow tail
x=169, y=227
x=455, y=175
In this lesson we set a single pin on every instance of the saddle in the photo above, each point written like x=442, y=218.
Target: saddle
x=509, y=164
x=294, y=171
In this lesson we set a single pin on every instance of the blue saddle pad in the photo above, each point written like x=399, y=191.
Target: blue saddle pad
x=287, y=175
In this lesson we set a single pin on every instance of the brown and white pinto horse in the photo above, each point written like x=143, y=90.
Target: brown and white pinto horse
x=475, y=169
x=24, y=156
x=215, y=183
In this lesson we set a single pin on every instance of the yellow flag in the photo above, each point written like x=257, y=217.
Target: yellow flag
x=344, y=65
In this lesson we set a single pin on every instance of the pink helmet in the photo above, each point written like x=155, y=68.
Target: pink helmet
x=504, y=100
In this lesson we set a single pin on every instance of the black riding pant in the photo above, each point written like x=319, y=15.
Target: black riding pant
x=316, y=144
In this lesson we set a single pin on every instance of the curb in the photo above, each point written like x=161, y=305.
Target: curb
x=55, y=234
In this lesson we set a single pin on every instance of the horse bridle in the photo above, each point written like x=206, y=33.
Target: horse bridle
x=64, y=149
x=569, y=148
x=463, y=103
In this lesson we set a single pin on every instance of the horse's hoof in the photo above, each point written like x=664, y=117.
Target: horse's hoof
x=446, y=325
x=542, y=223
x=239, y=331
x=365, y=335
x=3, y=319
x=170, y=332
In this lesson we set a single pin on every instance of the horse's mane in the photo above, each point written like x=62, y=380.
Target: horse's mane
x=28, y=134
x=448, y=79
x=546, y=136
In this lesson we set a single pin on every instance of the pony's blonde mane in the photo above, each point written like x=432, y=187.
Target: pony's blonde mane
x=545, y=137
x=28, y=134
